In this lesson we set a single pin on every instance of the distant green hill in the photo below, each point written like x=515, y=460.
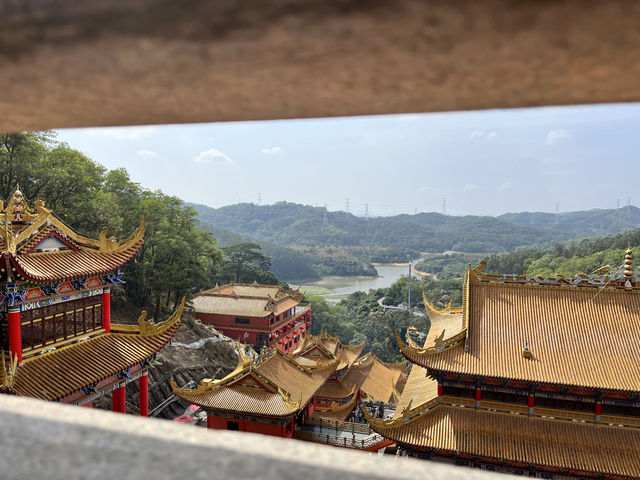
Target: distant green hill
x=292, y=224
x=356, y=241
x=580, y=224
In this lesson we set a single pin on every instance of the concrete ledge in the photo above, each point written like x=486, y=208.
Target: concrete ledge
x=67, y=63
x=44, y=441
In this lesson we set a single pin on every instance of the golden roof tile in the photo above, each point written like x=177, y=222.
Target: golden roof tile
x=533, y=440
x=56, y=374
x=271, y=385
x=375, y=378
x=248, y=300
x=585, y=335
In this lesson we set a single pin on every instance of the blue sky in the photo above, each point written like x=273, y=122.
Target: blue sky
x=482, y=162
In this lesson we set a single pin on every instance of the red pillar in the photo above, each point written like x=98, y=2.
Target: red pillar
x=15, y=332
x=478, y=394
x=210, y=421
x=143, y=384
x=531, y=401
x=283, y=431
x=439, y=389
x=118, y=400
x=598, y=409
x=106, y=310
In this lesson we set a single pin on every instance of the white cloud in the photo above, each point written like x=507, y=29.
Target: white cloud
x=556, y=136
x=482, y=134
x=212, y=156
x=468, y=187
x=122, y=133
x=273, y=151
x=150, y=154
x=505, y=186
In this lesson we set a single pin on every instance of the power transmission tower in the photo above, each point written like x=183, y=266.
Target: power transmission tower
x=259, y=198
x=347, y=205
x=444, y=205
x=366, y=210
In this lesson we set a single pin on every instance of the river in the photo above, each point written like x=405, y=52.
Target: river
x=333, y=288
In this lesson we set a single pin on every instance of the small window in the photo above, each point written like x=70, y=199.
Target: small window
x=242, y=321
x=233, y=426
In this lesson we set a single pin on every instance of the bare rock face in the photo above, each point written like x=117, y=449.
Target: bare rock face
x=196, y=351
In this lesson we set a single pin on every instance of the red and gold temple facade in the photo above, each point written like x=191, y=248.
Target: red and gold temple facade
x=277, y=391
x=533, y=375
x=259, y=315
x=55, y=311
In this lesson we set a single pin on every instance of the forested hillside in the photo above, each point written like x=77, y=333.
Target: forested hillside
x=291, y=224
x=177, y=258
x=580, y=224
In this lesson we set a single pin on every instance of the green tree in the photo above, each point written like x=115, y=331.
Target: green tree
x=246, y=261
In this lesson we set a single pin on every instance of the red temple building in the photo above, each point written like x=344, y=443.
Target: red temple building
x=255, y=314
x=55, y=322
x=534, y=376
x=276, y=391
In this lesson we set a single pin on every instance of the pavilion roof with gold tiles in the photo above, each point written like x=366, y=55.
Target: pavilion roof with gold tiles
x=83, y=364
x=377, y=380
x=579, y=332
x=272, y=385
x=246, y=300
x=38, y=247
x=517, y=438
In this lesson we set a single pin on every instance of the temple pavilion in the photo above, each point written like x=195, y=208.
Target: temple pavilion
x=534, y=376
x=56, y=333
x=259, y=315
x=276, y=391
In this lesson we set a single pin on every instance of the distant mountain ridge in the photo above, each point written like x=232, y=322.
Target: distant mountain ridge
x=291, y=224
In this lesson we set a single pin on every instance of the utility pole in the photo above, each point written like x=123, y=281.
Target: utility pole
x=347, y=205
x=444, y=205
x=409, y=297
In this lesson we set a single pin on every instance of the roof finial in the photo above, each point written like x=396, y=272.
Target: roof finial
x=628, y=267
x=526, y=351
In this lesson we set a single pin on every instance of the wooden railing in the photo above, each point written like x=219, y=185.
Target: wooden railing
x=450, y=400
x=340, y=441
x=339, y=425
x=618, y=420
x=504, y=407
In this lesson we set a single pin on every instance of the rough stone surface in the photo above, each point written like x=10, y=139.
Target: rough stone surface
x=66, y=63
x=48, y=441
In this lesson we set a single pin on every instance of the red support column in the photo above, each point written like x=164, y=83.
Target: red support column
x=478, y=394
x=15, y=332
x=118, y=400
x=598, y=409
x=283, y=431
x=531, y=401
x=106, y=309
x=439, y=389
x=210, y=421
x=143, y=384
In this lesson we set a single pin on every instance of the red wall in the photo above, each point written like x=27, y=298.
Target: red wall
x=220, y=423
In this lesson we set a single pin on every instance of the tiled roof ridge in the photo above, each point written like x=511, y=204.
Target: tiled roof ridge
x=599, y=280
x=402, y=423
